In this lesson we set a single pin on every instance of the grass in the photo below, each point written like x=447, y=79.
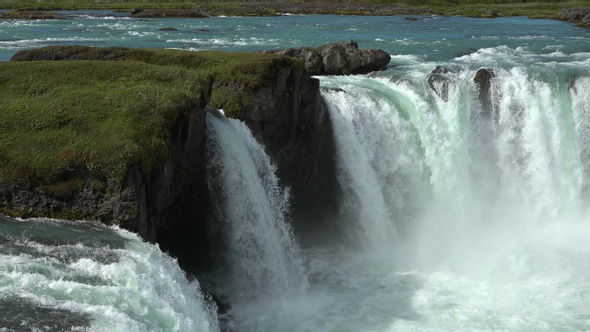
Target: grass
x=105, y=116
x=57, y=117
x=539, y=8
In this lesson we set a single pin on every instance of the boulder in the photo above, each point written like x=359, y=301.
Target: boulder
x=575, y=14
x=586, y=20
x=483, y=79
x=342, y=58
x=439, y=82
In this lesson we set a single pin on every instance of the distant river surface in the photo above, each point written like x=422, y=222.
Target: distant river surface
x=432, y=38
x=462, y=209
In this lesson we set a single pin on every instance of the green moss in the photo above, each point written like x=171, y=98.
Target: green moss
x=539, y=8
x=96, y=185
x=63, y=189
x=103, y=116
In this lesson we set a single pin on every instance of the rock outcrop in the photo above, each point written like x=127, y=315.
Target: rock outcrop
x=170, y=203
x=439, y=82
x=580, y=15
x=483, y=79
x=340, y=58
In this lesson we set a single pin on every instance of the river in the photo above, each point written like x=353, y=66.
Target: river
x=458, y=213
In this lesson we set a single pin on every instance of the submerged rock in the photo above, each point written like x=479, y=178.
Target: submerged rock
x=334, y=89
x=342, y=58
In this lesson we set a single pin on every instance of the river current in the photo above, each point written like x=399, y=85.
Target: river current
x=457, y=214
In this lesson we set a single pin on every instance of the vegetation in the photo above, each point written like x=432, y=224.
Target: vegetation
x=538, y=8
x=57, y=117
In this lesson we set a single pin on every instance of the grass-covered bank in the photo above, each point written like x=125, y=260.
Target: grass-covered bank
x=103, y=116
x=537, y=9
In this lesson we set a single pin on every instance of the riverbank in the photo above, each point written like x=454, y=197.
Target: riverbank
x=551, y=10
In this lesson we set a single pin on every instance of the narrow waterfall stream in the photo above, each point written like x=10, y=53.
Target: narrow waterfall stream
x=263, y=255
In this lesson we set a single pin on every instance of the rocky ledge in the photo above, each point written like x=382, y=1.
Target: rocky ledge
x=342, y=58
x=122, y=138
x=579, y=15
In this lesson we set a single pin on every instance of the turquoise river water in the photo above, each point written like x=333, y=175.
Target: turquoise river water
x=457, y=213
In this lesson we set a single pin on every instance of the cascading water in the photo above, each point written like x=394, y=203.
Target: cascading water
x=464, y=213
x=80, y=276
x=485, y=203
x=263, y=255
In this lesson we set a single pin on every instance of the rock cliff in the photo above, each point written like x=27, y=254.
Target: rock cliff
x=340, y=58
x=168, y=202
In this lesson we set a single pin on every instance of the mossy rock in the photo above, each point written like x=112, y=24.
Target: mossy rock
x=104, y=116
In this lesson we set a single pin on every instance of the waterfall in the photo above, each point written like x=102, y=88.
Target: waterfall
x=252, y=207
x=450, y=174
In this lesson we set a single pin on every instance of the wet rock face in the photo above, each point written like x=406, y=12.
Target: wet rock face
x=342, y=58
x=483, y=78
x=439, y=82
x=292, y=121
x=170, y=204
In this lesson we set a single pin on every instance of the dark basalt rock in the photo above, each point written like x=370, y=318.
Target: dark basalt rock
x=440, y=83
x=483, y=79
x=171, y=204
x=440, y=70
x=342, y=58
x=334, y=89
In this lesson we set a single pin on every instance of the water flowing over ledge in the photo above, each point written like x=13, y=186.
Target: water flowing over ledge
x=462, y=196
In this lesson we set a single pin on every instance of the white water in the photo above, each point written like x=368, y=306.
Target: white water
x=485, y=222
x=252, y=206
x=77, y=276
